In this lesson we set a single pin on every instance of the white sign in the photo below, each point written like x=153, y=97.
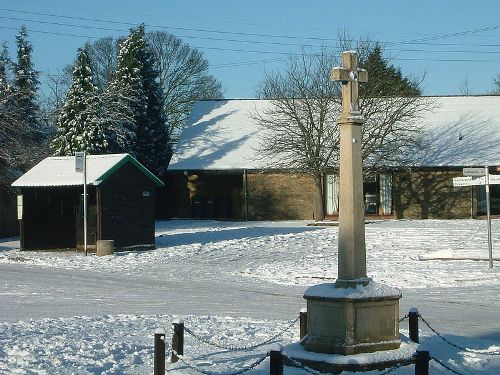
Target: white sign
x=79, y=161
x=466, y=181
x=494, y=179
x=471, y=181
x=473, y=172
x=19, y=207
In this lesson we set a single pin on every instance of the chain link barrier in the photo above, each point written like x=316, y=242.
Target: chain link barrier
x=205, y=372
x=475, y=351
x=408, y=362
x=403, y=318
x=300, y=365
x=446, y=366
x=235, y=347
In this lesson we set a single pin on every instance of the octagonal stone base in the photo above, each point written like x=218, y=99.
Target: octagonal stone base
x=362, y=318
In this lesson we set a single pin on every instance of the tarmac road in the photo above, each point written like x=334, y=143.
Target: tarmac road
x=28, y=292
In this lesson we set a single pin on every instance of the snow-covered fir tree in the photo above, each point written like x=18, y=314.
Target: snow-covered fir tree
x=26, y=82
x=10, y=115
x=79, y=127
x=143, y=133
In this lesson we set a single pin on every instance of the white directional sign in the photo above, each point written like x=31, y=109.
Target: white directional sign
x=494, y=179
x=471, y=181
x=462, y=181
x=473, y=172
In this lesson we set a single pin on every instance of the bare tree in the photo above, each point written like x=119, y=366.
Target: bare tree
x=300, y=126
x=184, y=78
x=300, y=131
x=52, y=101
x=496, y=82
x=464, y=86
x=183, y=74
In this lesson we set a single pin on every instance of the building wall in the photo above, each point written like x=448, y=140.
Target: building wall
x=201, y=195
x=91, y=220
x=49, y=215
x=430, y=194
x=416, y=194
x=280, y=196
x=126, y=211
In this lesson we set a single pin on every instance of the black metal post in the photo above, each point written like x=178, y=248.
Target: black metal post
x=177, y=341
x=303, y=323
x=159, y=360
x=276, y=360
x=422, y=360
x=413, y=324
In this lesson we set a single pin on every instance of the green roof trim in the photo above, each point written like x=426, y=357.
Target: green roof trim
x=142, y=168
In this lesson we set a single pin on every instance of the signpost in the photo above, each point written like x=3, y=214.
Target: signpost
x=473, y=171
x=477, y=177
x=81, y=166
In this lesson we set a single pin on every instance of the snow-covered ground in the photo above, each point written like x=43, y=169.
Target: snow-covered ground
x=238, y=284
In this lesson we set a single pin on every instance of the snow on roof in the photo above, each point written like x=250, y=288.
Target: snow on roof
x=220, y=135
x=223, y=135
x=463, y=131
x=60, y=171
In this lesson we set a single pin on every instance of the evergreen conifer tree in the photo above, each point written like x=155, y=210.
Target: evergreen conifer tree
x=26, y=82
x=385, y=79
x=143, y=133
x=78, y=125
x=10, y=115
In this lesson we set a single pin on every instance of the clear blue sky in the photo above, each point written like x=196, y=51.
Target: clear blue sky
x=449, y=41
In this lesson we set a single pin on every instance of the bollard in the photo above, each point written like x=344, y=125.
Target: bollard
x=276, y=360
x=177, y=340
x=303, y=323
x=105, y=247
x=413, y=324
x=422, y=360
x=159, y=360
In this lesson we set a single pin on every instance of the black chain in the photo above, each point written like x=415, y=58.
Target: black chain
x=455, y=345
x=315, y=372
x=235, y=347
x=399, y=365
x=205, y=372
x=447, y=367
x=300, y=365
x=403, y=318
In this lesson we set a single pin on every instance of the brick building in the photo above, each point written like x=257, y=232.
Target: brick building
x=216, y=171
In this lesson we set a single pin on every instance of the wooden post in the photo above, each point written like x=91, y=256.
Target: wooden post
x=159, y=359
x=422, y=360
x=177, y=340
x=276, y=360
x=413, y=324
x=303, y=323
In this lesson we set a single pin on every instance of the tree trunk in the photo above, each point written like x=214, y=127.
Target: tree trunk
x=319, y=207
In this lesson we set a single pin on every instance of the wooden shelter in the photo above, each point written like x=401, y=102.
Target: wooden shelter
x=120, y=199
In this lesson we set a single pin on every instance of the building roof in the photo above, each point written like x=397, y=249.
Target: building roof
x=223, y=134
x=60, y=171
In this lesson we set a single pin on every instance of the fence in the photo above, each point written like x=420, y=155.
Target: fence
x=278, y=357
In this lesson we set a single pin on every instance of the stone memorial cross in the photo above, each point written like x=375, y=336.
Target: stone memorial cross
x=349, y=74
x=356, y=314
x=352, y=250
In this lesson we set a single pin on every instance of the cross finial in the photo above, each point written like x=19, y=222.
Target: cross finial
x=349, y=74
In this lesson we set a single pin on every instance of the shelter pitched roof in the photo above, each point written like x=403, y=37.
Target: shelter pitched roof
x=60, y=171
x=223, y=134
